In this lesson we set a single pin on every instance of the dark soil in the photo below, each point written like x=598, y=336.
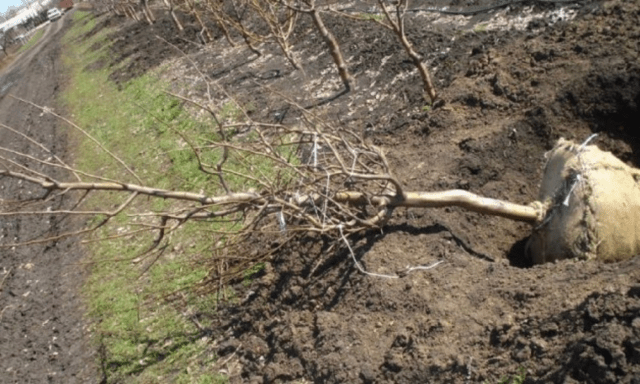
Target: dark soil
x=147, y=46
x=42, y=334
x=484, y=313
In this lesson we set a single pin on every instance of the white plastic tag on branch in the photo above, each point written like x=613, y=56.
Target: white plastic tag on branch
x=281, y=222
x=566, y=200
x=326, y=201
x=314, y=152
x=355, y=158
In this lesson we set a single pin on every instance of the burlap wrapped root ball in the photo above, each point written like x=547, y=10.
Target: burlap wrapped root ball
x=592, y=202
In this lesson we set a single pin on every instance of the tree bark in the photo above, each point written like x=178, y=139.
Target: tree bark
x=334, y=49
x=206, y=35
x=398, y=28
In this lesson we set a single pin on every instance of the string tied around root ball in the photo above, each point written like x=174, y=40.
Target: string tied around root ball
x=592, y=206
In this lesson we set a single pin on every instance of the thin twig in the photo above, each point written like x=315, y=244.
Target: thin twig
x=397, y=276
x=41, y=147
x=116, y=158
x=357, y=264
x=4, y=309
x=5, y=278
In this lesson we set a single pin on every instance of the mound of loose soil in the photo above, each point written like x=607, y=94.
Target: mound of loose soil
x=509, y=94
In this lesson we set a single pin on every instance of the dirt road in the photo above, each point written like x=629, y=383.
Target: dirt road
x=42, y=338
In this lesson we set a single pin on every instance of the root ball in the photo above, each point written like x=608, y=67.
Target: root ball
x=592, y=202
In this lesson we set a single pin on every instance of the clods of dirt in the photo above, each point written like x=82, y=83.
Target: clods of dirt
x=595, y=342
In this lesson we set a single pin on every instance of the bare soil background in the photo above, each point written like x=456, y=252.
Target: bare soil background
x=485, y=312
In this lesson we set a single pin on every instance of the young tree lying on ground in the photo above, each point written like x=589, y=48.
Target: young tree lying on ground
x=317, y=178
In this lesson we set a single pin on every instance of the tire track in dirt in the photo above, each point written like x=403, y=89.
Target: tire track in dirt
x=42, y=338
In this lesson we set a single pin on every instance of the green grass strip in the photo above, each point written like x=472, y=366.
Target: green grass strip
x=142, y=337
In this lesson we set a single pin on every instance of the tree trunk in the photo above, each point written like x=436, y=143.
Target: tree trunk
x=132, y=12
x=145, y=13
x=145, y=4
x=174, y=17
x=334, y=48
x=398, y=28
x=427, y=85
x=206, y=35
